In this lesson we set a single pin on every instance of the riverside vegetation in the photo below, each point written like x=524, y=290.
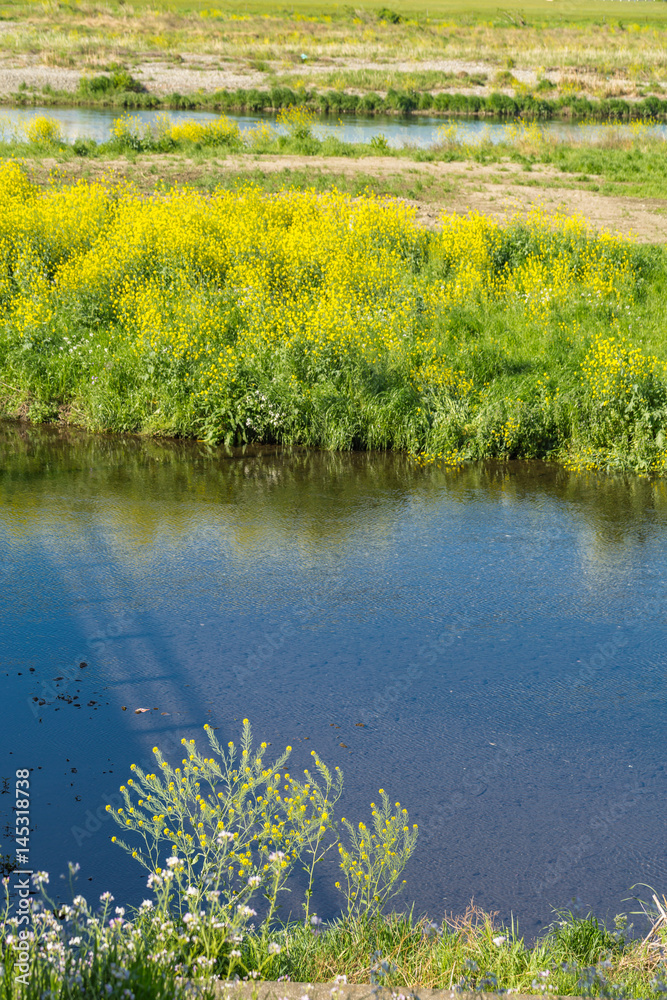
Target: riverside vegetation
x=226, y=829
x=123, y=91
x=596, y=48
x=318, y=319
x=630, y=162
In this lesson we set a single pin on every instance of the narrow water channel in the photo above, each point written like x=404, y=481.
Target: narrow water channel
x=487, y=643
x=417, y=130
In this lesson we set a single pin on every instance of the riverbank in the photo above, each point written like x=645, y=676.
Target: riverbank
x=615, y=178
x=220, y=869
x=499, y=189
x=125, y=92
x=327, y=321
x=591, y=62
x=346, y=960
x=599, y=51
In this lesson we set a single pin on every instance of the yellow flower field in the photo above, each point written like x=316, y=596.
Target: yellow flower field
x=317, y=318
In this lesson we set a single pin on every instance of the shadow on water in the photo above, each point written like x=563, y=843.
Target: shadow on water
x=487, y=642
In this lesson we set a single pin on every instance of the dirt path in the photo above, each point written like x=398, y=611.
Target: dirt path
x=498, y=190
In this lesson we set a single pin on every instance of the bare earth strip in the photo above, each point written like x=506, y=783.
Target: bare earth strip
x=477, y=189
x=497, y=190
x=200, y=72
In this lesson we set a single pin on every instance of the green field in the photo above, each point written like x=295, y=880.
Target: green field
x=616, y=48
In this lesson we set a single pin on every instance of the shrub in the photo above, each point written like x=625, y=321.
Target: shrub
x=120, y=81
x=502, y=104
x=401, y=101
x=221, y=133
x=625, y=393
x=84, y=147
x=297, y=121
x=370, y=102
x=236, y=826
x=389, y=16
x=545, y=84
x=42, y=131
x=442, y=102
x=379, y=143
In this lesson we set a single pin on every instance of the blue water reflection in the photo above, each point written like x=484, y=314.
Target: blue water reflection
x=487, y=643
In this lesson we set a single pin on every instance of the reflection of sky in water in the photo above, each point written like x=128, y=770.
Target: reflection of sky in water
x=418, y=130
x=500, y=633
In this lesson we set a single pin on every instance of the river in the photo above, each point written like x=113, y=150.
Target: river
x=487, y=643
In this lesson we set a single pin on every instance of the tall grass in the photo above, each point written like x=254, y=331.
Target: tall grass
x=102, y=950
x=602, y=38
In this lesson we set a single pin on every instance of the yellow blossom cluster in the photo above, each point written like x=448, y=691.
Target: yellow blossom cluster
x=303, y=316
x=614, y=370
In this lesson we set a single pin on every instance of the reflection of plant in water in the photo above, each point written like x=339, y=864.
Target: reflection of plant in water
x=190, y=478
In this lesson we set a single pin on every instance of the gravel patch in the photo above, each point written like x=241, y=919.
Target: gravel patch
x=165, y=79
x=37, y=76
x=199, y=72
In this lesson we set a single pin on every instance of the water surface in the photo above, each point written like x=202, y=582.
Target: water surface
x=486, y=643
x=415, y=130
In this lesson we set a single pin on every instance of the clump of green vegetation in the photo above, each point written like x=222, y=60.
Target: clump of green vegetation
x=108, y=85
x=389, y=16
x=424, y=93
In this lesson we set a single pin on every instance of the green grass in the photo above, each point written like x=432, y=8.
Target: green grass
x=462, y=952
x=576, y=956
x=604, y=38
x=405, y=94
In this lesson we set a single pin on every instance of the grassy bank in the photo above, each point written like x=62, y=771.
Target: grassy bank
x=630, y=163
x=595, y=45
x=316, y=319
x=146, y=953
x=121, y=91
x=222, y=834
